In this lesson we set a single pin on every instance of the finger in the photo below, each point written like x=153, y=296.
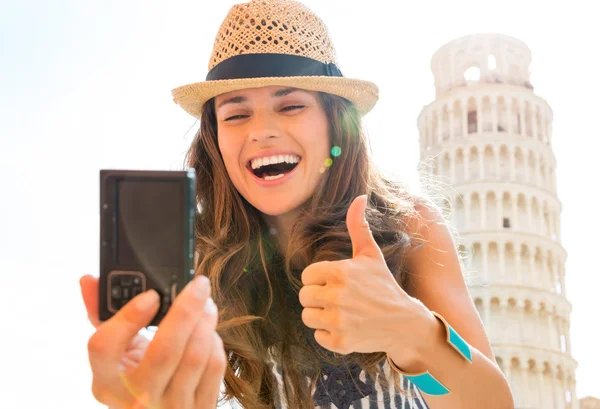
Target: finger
x=317, y=273
x=119, y=394
x=195, y=359
x=362, y=239
x=209, y=387
x=135, y=355
x=89, y=293
x=112, y=338
x=167, y=347
x=328, y=341
x=315, y=318
x=127, y=364
x=313, y=296
x=140, y=342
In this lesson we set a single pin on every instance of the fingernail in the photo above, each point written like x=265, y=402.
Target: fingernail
x=210, y=307
x=201, y=286
x=147, y=299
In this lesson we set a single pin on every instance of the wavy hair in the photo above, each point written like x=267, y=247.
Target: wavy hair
x=255, y=284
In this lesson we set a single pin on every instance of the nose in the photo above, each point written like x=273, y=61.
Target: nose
x=263, y=126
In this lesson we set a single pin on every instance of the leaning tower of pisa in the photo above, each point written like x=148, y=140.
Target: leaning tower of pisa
x=488, y=138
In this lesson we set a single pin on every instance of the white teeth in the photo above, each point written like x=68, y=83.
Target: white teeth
x=273, y=177
x=271, y=160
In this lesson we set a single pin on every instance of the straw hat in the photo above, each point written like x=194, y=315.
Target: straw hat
x=274, y=42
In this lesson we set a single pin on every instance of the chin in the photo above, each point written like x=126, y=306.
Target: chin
x=278, y=205
x=274, y=207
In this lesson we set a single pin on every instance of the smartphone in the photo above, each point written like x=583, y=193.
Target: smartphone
x=146, y=236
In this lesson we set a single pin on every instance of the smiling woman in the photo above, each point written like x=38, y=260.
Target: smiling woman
x=325, y=273
x=306, y=210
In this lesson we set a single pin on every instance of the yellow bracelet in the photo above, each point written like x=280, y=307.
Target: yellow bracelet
x=424, y=380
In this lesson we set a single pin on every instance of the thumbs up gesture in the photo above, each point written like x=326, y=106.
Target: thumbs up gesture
x=356, y=305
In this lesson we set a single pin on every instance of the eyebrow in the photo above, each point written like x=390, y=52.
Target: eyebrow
x=240, y=99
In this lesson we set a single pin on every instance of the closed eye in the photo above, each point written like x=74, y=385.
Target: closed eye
x=284, y=109
x=232, y=118
x=292, y=107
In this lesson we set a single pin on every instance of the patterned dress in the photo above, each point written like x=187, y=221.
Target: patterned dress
x=350, y=388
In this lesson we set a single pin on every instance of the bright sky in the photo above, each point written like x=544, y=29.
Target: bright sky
x=86, y=85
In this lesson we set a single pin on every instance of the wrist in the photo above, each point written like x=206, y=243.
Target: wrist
x=422, y=370
x=416, y=359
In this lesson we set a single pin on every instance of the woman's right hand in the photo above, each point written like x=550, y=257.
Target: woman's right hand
x=182, y=367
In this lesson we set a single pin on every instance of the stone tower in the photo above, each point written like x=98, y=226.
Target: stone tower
x=488, y=136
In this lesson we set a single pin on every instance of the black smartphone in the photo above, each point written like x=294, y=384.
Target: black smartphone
x=146, y=236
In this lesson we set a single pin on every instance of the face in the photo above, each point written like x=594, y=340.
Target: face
x=274, y=142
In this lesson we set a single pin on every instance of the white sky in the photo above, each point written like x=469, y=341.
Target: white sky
x=86, y=85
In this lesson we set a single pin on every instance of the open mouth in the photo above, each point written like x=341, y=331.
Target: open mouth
x=273, y=171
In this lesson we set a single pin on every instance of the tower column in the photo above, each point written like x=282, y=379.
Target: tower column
x=478, y=103
x=528, y=211
x=533, y=273
x=534, y=124
x=540, y=386
x=483, y=219
x=480, y=155
x=525, y=376
x=503, y=314
x=512, y=163
x=498, y=222
x=522, y=118
x=509, y=114
x=466, y=160
x=484, y=262
x=429, y=131
x=561, y=277
x=518, y=265
x=439, y=126
x=450, y=111
x=549, y=322
x=554, y=275
x=555, y=401
x=468, y=212
x=574, y=403
x=494, y=107
x=515, y=215
x=497, y=159
x=465, y=115
x=501, y=256
x=486, y=315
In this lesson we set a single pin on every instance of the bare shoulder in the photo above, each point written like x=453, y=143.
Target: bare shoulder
x=433, y=247
x=435, y=276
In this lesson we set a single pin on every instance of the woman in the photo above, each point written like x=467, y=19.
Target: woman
x=335, y=287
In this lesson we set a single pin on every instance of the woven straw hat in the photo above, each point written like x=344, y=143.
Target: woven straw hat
x=274, y=42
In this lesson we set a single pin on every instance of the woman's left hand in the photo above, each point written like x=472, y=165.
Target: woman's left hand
x=356, y=305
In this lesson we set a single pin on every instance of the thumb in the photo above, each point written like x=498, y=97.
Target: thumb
x=362, y=239
x=114, y=337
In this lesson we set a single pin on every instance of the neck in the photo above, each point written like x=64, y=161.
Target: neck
x=280, y=226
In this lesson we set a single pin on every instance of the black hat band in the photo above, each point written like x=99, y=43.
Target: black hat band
x=271, y=65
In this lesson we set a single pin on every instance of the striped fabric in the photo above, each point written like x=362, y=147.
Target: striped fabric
x=378, y=399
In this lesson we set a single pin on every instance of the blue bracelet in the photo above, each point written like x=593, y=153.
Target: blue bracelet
x=426, y=382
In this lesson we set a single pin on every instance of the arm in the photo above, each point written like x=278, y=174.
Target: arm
x=435, y=278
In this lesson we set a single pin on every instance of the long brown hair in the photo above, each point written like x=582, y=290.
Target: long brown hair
x=255, y=284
